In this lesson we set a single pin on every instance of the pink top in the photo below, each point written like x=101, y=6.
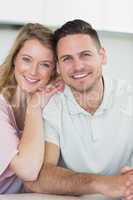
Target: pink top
x=9, y=139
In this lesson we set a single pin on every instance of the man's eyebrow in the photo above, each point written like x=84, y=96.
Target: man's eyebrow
x=67, y=55
x=85, y=51
x=64, y=56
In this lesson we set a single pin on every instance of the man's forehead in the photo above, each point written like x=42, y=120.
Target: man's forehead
x=80, y=52
x=73, y=42
x=73, y=37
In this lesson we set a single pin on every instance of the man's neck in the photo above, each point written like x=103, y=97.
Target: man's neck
x=92, y=99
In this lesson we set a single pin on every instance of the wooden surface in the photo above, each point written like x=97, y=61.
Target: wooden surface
x=35, y=196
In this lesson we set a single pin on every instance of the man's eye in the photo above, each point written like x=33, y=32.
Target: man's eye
x=66, y=59
x=86, y=54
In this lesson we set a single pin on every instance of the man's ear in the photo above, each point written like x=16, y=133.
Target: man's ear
x=103, y=55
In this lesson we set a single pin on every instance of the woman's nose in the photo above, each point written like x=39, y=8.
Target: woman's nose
x=34, y=69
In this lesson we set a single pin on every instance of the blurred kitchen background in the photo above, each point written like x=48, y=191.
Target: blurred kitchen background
x=112, y=19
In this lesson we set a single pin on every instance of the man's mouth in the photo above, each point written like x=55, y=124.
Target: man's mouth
x=80, y=76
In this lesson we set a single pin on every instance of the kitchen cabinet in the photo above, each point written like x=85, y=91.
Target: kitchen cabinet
x=59, y=11
x=118, y=15
x=114, y=15
x=20, y=12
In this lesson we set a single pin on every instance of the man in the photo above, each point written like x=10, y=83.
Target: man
x=90, y=124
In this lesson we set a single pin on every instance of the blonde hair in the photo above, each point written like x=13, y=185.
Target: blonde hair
x=27, y=32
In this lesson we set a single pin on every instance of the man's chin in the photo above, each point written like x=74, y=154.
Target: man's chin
x=81, y=89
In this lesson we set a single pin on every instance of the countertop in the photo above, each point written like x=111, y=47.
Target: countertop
x=35, y=196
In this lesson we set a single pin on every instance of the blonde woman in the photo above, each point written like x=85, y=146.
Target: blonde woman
x=24, y=78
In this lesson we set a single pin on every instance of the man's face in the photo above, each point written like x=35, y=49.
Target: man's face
x=80, y=61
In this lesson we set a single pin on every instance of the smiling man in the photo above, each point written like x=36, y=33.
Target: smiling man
x=90, y=124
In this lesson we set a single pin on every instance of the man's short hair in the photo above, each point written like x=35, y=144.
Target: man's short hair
x=76, y=26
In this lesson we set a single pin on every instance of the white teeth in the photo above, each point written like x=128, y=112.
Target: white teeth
x=79, y=76
x=31, y=80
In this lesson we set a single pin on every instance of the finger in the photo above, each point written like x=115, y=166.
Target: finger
x=60, y=85
x=126, y=169
x=129, y=197
x=46, y=88
x=129, y=172
x=40, y=89
x=48, y=92
x=56, y=88
x=130, y=179
x=60, y=88
x=52, y=91
x=56, y=83
x=129, y=190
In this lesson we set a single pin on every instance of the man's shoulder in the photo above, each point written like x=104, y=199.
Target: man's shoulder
x=53, y=104
x=121, y=86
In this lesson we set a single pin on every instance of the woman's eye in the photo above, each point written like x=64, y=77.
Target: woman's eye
x=45, y=65
x=25, y=59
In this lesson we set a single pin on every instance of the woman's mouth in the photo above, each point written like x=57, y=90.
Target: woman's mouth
x=31, y=80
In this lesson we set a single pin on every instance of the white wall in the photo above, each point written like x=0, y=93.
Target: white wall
x=120, y=54
x=23, y=11
x=112, y=15
x=119, y=50
x=7, y=36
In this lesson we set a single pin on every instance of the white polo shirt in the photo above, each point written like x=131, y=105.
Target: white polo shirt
x=101, y=143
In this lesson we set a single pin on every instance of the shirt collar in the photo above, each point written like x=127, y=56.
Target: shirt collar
x=108, y=97
x=73, y=106
x=109, y=91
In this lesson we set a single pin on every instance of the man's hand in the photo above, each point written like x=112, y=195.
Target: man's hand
x=129, y=184
x=119, y=186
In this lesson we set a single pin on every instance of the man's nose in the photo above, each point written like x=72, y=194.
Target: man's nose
x=78, y=64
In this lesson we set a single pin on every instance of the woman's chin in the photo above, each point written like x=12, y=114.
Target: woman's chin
x=29, y=91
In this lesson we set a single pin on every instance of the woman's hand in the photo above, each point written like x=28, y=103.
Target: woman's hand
x=43, y=95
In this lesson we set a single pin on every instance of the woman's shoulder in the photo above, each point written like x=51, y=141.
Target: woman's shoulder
x=5, y=107
x=4, y=102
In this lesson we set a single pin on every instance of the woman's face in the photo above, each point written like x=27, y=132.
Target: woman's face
x=34, y=65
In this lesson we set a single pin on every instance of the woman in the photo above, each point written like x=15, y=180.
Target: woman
x=24, y=92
